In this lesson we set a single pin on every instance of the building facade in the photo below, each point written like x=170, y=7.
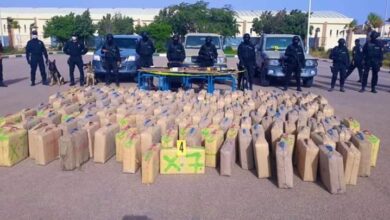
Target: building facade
x=328, y=26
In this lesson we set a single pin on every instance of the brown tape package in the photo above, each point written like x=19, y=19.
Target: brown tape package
x=46, y=145
x=73, y=149
x=105, y=143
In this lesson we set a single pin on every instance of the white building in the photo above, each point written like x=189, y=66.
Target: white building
x=330, y=26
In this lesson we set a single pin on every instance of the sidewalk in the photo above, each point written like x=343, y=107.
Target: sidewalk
x=383, y=69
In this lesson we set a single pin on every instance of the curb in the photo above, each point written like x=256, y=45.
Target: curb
x=91, y=53
x=24, y=55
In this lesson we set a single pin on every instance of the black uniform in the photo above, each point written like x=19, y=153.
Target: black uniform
x=145, y=49
x=340, y=57
x=357, y=62
x=207, y=55
x=75, y=50
x=35, y=51
x=373, y=58
x=295, y=61
x=175, y=54
x=247, y=56
x=111, y=58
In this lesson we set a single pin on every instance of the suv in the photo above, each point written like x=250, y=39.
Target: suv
x=269, y=54
x=194, y=41
x=129, y=57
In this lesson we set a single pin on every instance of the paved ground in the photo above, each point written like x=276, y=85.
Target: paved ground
x=28, y=191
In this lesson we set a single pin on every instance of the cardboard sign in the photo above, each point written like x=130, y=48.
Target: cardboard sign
x=181, y=146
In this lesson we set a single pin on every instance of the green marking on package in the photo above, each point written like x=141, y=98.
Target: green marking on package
x=205, y=132
x=129, y=143
x=373, y=139
x=120, y=135
x=40, y=113
x=123, y=122
x=148, y=155
x=3, y=137
x=171, y=163
x=197, y=165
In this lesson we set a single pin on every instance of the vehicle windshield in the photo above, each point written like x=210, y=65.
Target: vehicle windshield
x=233, y=41
x=126, y=43
x=123, y=43
x=195, y=42
x=277, y=43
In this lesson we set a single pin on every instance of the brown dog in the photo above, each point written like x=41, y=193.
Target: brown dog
x=90, y=79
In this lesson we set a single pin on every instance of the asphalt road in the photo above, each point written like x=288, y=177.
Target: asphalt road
x=29, y=191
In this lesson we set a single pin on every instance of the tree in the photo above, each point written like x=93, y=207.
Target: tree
x=351, y=27
x=197, y=17
x=282, y=22
x=160, y=33
x=263, y=24
x=60, y=27
x=374, y=21
x=117, y=24
x=11, y=25
x=84, y=26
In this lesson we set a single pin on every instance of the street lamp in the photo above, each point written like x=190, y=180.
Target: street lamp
x=308, y=29
x=384, y=23
x=1, y=29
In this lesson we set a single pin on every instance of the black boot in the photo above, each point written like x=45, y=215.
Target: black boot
x=362, y=90
x=32, y=83
x=2, y=84
x=373, y=90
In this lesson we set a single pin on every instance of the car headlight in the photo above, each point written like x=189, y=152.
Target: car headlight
x=130, y=59
x=96, y=57
x=188, y=60
x=273, y=62
x=311, y=63
x=221, y=60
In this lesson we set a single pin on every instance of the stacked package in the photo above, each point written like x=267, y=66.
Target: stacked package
x=162, y=132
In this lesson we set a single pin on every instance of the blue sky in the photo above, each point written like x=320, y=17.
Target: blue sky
x=353, y=8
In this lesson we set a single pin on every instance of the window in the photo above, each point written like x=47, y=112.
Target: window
x=330, y=34
x=25, y=29
x=5, y=28
x=337, y=33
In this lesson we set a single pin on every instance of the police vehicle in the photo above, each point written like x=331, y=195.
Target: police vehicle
x=194, y=41
x=269, y=59
x=129, y=57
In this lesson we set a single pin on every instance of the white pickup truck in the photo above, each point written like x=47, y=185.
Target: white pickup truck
x=194, y=41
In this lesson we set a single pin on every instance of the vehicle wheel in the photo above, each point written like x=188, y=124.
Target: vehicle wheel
x=308, y=82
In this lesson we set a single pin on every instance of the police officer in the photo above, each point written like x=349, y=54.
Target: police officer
x=373, y=58
x=75, y=50
x=340, y=57
x=357, y=60
x=207, y=54
x=145, y=49
x=35, y=51
x=175, y=53
x=1, y=67
x=112, y=59
x=246, y=55
x=295, y=61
